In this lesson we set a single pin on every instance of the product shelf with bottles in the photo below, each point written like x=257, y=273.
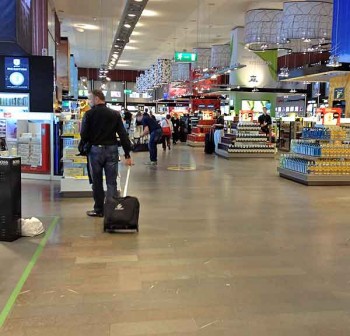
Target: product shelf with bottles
x=321, y=157
x=247, y=142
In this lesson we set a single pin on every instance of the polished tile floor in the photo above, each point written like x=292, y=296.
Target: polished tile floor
x=225, y=248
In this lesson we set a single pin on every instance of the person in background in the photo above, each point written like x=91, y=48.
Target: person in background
x=138, y=125
x=167, y=127
x=151, y=127
x=176, y=128
x=98, y=129
x=128, y=119
x=153, y=116
x=220, y=120
x=265, y=122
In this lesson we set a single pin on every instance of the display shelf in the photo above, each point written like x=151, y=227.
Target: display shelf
x=314, y=180
x=195, y=143
x=75, y=187
x=258, y=139
x=313, y=158
x=228, y=155
x=323, y=168
x=249, y=142
x=75, y=182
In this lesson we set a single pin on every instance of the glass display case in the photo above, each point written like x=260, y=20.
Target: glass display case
x=29, y=136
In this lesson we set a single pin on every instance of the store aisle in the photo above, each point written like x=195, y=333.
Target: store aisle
x=225, y=248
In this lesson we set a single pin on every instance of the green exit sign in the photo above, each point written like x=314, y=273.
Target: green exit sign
x=128, y=92
x=185, y=57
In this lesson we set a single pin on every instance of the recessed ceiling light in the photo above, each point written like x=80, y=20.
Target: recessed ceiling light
x=124, y=61
x=147, y=12
x=126, y=25
x=80, y=30
x=86, y=26
x=122, y=65
x=138, y=0
x=127, y=47
x=131, y=15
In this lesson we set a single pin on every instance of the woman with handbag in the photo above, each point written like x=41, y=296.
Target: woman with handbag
x=167, y=128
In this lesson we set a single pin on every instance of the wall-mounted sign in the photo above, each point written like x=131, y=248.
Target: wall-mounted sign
x=128, y=92
x=146, y=96
x=17, y=73
x=135, y=95
x=116, y=94
x=185, y=57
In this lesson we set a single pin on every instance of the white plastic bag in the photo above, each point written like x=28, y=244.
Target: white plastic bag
x=32, y=227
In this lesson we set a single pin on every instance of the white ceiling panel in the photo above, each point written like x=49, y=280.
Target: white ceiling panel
x=167, y=25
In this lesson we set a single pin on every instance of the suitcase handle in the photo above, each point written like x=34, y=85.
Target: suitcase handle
x=127, y=182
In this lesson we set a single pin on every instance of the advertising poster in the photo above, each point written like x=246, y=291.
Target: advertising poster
x=17, y=73
x=328, y=116
x=340, y=36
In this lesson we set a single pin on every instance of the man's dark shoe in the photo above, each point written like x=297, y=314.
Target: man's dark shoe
x=93, y=213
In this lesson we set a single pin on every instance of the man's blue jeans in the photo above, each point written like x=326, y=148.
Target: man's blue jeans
x=155, y=136
x=103, y=158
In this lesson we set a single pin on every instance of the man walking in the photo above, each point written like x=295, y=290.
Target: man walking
x=99, y=128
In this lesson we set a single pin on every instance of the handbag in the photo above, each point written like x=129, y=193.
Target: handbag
x=166, y=130
x=84, y=148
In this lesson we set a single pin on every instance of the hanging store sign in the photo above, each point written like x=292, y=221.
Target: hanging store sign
x=185, y=57
x=17, y=73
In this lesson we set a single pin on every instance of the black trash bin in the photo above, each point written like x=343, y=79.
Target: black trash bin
x=10, y=198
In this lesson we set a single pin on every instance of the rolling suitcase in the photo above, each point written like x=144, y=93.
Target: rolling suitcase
x=139, y=147
x=123, y=213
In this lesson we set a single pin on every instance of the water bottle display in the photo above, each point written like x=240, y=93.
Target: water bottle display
x=322, y=157
x=319, y=133
x=337, y=150
x=334, y=167
x=306, y=148
x=294, y=163
x=322, y=133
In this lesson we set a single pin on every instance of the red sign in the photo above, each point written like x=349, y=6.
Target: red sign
x=328, y=116
x=245, y=115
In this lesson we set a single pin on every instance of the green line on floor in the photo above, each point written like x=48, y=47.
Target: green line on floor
x=13, y=297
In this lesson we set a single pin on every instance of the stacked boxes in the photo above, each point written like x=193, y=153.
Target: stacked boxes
x=197, y=137
x=29, y=149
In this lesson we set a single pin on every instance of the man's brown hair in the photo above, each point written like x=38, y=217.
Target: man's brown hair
x=99, y=94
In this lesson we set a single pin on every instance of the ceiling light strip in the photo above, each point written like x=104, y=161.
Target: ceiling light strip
x=131, y=15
